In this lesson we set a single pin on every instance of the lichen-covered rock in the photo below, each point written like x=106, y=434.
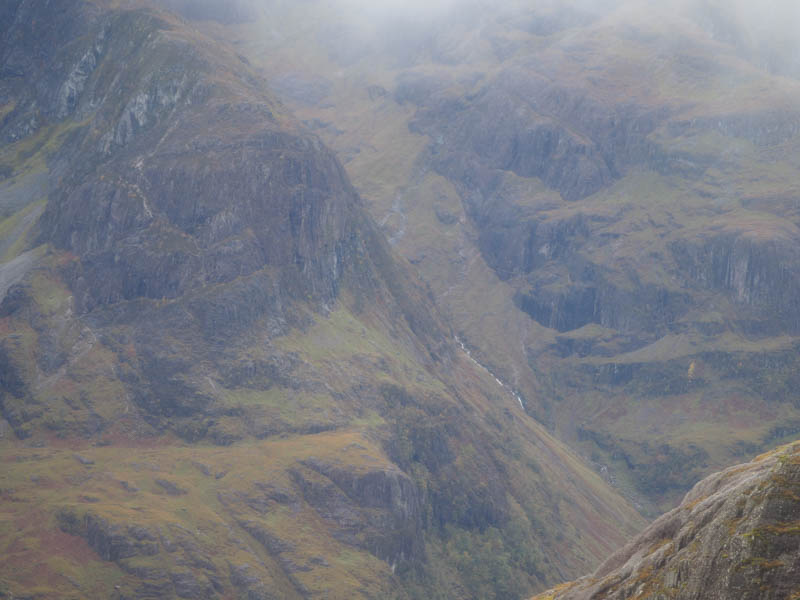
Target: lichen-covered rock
x=736, y=536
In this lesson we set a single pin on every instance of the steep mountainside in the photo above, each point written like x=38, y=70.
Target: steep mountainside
x=216, y=378
x=735, y=536
x=602, y=196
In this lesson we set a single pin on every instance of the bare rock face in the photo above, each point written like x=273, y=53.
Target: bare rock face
x=191, y=205
x=577, y=145
x=148, y=209
x=388, y=522
x=526, y=123
x=759, y=273
x=735, y=536
x=156, y=145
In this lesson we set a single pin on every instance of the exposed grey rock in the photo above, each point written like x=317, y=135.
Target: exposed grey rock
x=394, y=530
x=187, y=585
x=171, y=488
x=376, y=91
x=526, y=123
x=241, y=577
x=734, y=537
x=128, y=487
x=278, y=549
x=203, y=468
x=759, y=273
x=15, y=270
x=109, y=540
x=82, y=459
x=140, y=533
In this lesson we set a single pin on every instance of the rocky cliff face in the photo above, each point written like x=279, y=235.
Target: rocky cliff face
x=546, y=129
x=564, y=132
x=184, y=196
x=162, y=151
x=733, y=536
x=758, y=272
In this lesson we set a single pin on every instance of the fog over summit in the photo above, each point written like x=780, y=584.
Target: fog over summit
x=767, y=32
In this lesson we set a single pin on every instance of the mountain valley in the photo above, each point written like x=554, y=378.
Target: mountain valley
x=601, y=197
x=336, y=299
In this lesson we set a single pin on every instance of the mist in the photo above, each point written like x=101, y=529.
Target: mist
x=766, y=33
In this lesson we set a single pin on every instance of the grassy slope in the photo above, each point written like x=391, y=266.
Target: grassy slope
x=44, y=478
x=208, y=513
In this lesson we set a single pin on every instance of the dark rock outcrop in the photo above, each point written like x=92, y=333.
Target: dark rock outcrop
x=112, y=542
x=388, y=520
x=525, y=123
x=758, y=272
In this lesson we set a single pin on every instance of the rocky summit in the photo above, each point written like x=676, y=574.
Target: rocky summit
x=734, y=536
